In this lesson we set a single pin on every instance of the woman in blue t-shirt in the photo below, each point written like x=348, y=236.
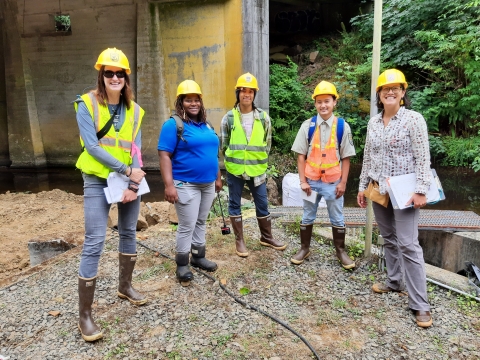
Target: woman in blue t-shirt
x=190, y=172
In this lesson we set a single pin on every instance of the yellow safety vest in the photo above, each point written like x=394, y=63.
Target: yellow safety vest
x=240, y=157
x=119, y=145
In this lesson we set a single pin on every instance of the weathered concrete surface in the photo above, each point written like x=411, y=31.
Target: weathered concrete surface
x=166, y=42
x=256, y=46
x=41, y=251
x=448, y=278
x=449, y=250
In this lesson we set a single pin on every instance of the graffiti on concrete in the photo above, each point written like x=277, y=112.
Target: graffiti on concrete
x=297, y=21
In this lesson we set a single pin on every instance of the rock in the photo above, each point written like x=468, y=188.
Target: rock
x=172, y=214
x=313, y=56
x=113, y=217
x=141, y=223
x=151, y=220
x=272, y=191
x=279, y=57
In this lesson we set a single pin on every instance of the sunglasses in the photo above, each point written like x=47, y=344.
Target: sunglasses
x=109, y=74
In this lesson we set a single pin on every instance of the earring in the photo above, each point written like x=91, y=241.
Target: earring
x=184, y=115
x=402, y=102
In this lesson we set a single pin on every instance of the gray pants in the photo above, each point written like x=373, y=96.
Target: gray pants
x=193, y=206
x=403, y=253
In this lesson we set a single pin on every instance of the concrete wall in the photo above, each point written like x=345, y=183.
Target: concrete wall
x=449, y=251
x=4, y=153
x=165, y=41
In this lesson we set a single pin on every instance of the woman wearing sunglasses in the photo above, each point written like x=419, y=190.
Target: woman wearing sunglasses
x=190, y=172
x=397, y=144
x=109, y=122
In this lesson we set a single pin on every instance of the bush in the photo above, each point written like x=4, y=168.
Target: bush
x=289, y=102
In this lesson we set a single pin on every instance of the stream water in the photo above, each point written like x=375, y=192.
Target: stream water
x=461, y=185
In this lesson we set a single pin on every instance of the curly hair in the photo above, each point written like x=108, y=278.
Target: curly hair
x=126, y=96
x=180, y=111
x=406, y=99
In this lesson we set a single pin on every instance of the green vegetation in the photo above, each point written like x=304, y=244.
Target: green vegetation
x=434, y=42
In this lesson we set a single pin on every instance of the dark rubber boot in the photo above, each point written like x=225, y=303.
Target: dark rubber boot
x=126, y=264
x=184, y=275
x=339, y=242
x=305, y=238
x=86, y=290
x=199, y=260
x=266, y=239
x=237, y=226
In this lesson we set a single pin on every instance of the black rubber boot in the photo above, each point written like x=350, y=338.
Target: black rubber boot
x=199, y=260
x=184, y=275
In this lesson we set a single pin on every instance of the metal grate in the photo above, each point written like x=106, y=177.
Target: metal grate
x=356, y=217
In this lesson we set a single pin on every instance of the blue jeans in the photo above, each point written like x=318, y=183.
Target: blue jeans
x=259, y=193
x=334, y=206
x=96, y=209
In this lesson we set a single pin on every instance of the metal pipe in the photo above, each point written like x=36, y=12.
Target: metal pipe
x=453, y=289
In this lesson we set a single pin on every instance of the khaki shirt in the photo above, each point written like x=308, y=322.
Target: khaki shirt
x=301, y=145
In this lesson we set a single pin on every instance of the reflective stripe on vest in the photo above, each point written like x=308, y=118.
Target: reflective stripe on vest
x=324, y=164
x=240, y=157
x=118, y=145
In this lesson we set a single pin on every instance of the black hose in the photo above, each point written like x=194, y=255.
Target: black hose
x=241, y=302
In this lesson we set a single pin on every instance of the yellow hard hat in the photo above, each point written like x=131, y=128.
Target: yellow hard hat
x=247, y=81
x=391, y=76
x=113, y=57
x=325, y=88
x=188, y=87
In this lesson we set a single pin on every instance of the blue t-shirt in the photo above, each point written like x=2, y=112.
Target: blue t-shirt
x=193, y=161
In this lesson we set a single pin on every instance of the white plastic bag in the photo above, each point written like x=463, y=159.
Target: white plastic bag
x=292, y=193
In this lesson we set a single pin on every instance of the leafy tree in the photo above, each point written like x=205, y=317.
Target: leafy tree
x=289, y=104
x=436, y=44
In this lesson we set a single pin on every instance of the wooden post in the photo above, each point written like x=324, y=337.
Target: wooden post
x=377, y=42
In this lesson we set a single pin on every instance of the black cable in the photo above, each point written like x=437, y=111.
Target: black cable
x=241, y=302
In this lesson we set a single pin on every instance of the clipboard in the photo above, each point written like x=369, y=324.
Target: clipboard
x=401, y=188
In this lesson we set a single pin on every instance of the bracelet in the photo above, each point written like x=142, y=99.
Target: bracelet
x=130, y=187
x=134, y=183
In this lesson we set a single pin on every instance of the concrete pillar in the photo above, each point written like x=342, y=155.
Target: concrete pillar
x=256, y=46
x=24, y=136
x=4, y=154
x=152, y=86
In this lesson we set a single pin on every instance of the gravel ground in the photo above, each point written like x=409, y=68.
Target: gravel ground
x=333, y=309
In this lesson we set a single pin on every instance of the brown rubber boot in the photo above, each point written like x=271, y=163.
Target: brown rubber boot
x=86, y=290
x=237, y=226
x=126, y=263
x=304, y=251
x=339, y=242
x=266, y=239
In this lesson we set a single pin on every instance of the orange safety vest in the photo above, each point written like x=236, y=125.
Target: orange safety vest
x=324, y=164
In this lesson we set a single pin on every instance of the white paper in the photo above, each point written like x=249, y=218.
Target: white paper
x=312, y=197
x=402, y=188
x=117, y=183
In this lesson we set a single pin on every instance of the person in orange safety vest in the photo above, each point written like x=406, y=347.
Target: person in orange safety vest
x=324, y=145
